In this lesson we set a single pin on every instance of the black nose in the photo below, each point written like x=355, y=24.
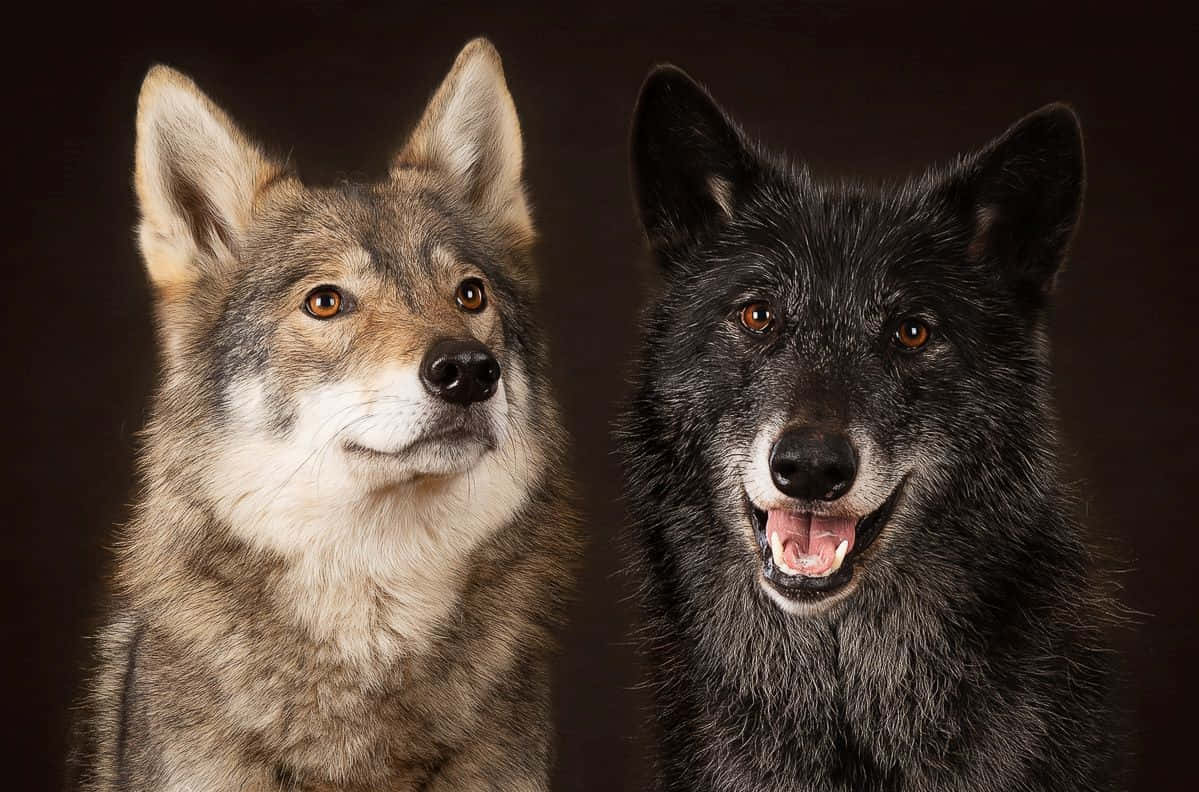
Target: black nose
x=461, y=372
x=813, y=464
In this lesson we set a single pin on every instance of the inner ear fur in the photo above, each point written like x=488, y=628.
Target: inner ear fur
x=470, y=135
x=1022, y=196
x=196, y=177
x=690, y=163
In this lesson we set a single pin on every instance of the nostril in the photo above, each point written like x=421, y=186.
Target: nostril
x=489, y=372
x=785, y=468
x=837, y=483
x=443, y=372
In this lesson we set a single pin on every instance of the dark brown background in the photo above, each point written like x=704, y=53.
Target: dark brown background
x=866, y=89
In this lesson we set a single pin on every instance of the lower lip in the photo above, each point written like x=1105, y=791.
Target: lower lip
x=460, y=438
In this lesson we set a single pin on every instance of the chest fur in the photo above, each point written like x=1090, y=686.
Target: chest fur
x=357, y=679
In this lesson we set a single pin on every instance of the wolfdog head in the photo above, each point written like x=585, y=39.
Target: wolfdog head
x=842, y=387
x=357, y=359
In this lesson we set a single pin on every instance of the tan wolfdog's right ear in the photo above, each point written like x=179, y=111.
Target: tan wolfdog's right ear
x=470, y=134
x=196, y=177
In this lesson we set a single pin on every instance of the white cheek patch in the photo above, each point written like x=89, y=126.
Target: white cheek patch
x=265, y=475
x=274, y=488
x=351, y=526
x=875, y=480
x=755, y=477
x=386, y=413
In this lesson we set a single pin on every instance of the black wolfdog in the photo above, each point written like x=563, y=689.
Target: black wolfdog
x=859, y=567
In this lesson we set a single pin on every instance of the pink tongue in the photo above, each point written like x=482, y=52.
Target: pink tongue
x=810, y=541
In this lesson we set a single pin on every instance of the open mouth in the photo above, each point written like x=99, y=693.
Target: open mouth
x=805, y=554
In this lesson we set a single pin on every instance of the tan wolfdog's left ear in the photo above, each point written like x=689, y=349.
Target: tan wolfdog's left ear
x=470, y=133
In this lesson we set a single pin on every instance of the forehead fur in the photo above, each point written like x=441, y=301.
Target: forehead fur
x=397, y=223
x=837, y=235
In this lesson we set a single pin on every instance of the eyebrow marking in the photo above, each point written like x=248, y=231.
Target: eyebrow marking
x=358, y=258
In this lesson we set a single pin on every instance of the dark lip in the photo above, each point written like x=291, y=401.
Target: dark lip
x=800, y=588
x=453, y=436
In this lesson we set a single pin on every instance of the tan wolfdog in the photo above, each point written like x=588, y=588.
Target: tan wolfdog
x=355, y=534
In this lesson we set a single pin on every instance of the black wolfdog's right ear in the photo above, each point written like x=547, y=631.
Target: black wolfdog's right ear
x=689, y=161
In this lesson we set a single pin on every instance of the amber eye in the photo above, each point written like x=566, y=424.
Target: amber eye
x=911, y=334
x=757, y=317
x=470, y=296
x=323, y=302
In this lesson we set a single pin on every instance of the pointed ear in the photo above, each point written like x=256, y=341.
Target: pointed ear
x=1022, y=196
x=196, y=177
x=470, y=134
x=690, y=163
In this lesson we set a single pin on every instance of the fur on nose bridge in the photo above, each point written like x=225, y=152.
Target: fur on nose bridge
x=401, y=335
x=819, y=400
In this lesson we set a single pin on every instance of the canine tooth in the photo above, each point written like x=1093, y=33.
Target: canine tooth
x=776, y=549
x=839, y=556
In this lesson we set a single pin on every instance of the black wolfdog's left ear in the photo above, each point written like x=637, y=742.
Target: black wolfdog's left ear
x=688, y=159
x=1023, y=195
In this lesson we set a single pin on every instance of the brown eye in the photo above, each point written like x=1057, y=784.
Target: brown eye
x=323, y=302
x=470, y=296
x=911, y=334
x=757, y=317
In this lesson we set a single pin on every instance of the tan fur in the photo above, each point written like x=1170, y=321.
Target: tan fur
x=446, y=138
x=298, y=605
x=984, y=220
x=174, y=115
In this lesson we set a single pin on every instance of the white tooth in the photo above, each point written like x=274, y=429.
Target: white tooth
x=776, y=549
x=839, y=556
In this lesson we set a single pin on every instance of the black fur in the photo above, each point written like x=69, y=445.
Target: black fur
x=969, y=652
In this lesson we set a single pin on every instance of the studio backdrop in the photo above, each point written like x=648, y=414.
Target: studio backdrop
x=871, y=90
